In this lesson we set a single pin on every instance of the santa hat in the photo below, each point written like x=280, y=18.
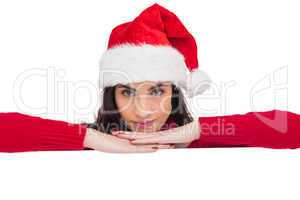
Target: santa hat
x=155, y=46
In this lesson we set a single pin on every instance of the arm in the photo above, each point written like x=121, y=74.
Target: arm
x=222, y=131
x=269, y=129
x=20, y=132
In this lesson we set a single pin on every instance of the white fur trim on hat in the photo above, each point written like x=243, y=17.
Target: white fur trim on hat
x=129, y=63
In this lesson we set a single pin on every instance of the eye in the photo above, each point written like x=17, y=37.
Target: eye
x=157, y=92
x=127, y=92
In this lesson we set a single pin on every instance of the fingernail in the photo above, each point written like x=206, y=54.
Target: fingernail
x=115, y=132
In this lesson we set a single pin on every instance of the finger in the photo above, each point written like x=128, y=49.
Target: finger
x=159, y=140
x=160, y=146
x=137, y=135
x=143, y=149
x=169, y=146
x=120, y=132
x=134, y=136
x=114, y=132
x=164, y=137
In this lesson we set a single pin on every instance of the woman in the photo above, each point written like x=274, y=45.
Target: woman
x=20, y=132
x=149, y=62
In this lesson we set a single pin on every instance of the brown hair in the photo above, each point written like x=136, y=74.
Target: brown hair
x=109, y=118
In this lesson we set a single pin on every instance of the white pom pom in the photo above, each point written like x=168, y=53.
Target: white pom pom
x=198, y=82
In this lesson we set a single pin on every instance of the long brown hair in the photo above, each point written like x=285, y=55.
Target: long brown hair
x=109, y=118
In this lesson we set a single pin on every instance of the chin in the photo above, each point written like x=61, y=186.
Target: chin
x=149, y=129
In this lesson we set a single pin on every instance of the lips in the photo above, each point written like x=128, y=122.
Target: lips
x=145, y=123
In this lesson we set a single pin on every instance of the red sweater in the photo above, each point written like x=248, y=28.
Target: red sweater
x=21, y=132
x=275, y=129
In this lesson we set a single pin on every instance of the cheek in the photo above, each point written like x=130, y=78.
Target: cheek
x=164, y=106
x=124, y=106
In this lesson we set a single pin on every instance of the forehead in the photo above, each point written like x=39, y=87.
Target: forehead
x=147, y=84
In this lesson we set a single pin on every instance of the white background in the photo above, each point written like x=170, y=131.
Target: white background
x=249, y=47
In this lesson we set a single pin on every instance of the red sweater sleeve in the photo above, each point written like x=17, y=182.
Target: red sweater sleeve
x=21, y=132
x=250, y=130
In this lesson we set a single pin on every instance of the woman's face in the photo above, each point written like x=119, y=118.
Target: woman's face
x=144, y=106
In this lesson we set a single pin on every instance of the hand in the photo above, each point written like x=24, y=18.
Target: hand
x=180, y=136
x=112, y=144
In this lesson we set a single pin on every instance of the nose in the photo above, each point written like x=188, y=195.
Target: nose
x=142, y=107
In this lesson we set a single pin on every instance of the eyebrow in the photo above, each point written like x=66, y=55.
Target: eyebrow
x=152, y=87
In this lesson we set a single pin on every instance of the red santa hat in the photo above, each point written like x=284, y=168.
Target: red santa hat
x=155, y=46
